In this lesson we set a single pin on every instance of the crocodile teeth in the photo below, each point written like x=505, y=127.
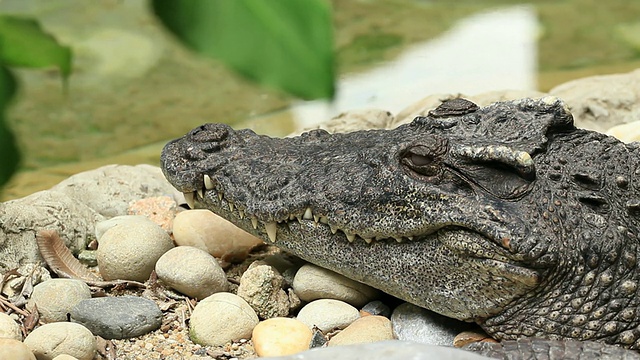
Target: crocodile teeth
x=240, y=214
x=254, y=222
x=333, y=229
x=316, y=218
x=350, y=237
x=201, y=193
x=398, y=239
x=292, y=217
x=368, y=240
x=220, y=197
x=271, y=231
x=231, y=207
x=324, y=220
x=190, y=199
x=308, y=215
x=410, y=237
x=208, y=184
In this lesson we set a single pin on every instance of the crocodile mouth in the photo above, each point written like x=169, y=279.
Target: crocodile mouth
x=213, y=197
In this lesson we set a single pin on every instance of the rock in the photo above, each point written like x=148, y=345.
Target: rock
x=629, y=132
x=601, y=102
x=375, y=307
x=73, y=207
x=118, y=317
x=56, y=297
x=364, y=330
x=313, y=282
x=385, y=350
x=15, y=350
x=9, y=328
x=355, y=120
x=261, y=286
x=191, y=271
x=51, y=340
x=220, y=318
x=213, y=234
x=328, y=314
x=129, y=250
x=105, y=225
x=20, y=219
x=159, y=209
x=110, y=189
x=280, y=336
x=412, y=323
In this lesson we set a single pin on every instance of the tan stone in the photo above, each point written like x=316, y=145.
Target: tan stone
x=280, y=337
x=15, y=350
x=367, y=329
x=209, y=232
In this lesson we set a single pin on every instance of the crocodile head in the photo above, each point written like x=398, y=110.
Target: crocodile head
x=445, y=212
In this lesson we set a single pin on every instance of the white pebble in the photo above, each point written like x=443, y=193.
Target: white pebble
x=129, y=250
x=51, y=340
x=313, y=282
x=55, y=298
x=221, y=318
x=209, y=232
x=191, y=271
x=328, y=314
x=9, y=328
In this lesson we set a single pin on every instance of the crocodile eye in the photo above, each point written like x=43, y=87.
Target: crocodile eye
x=421, y=161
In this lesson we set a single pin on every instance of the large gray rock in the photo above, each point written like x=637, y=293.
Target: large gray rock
x=601, y=102
x=385, y=350
x=117, y=317
x=73, y=207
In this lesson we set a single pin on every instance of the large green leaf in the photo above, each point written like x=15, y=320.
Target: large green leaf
x=23, y=43
x=9, y=156
x=287, y=44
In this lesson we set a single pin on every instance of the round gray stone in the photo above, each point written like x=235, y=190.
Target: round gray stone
x=118, y=317
x=413, y=323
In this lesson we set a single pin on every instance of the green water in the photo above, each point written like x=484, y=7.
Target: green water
x=133, y=87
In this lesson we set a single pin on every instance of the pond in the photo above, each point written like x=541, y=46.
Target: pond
x=133, y=87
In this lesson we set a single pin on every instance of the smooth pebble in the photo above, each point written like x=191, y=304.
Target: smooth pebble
x=220, y=318
x=313, y=282
x=9, y=328
x=15, y=350
x=209, y=232
x=628, y=132
x=281, y=336
x=191, y=271
x=261, y=286
x=65, y=357
x=118, y=317
x=129, y=250
x=328, y=314
x=366, y=329
x=413, y=323
x=50, y=340
x=55, y=298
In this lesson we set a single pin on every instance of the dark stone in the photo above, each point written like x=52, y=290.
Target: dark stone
x=118, y=317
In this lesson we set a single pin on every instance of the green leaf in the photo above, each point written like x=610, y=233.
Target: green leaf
x=9, y=156
x=24, y=43
x=287, y=44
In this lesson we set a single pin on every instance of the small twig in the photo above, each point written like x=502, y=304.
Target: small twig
x=7, y=303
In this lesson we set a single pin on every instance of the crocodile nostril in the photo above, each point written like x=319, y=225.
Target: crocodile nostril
x=210, y=133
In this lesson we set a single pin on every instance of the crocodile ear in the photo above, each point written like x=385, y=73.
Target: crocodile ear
x=500, y=170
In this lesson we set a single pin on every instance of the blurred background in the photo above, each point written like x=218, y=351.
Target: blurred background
x=134, y=87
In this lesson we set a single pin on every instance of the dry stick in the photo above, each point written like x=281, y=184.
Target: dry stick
x=7, y=303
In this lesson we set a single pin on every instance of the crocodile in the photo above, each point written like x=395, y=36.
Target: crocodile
x=505, y=215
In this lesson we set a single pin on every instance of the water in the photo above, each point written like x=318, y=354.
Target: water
x=494, y=50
